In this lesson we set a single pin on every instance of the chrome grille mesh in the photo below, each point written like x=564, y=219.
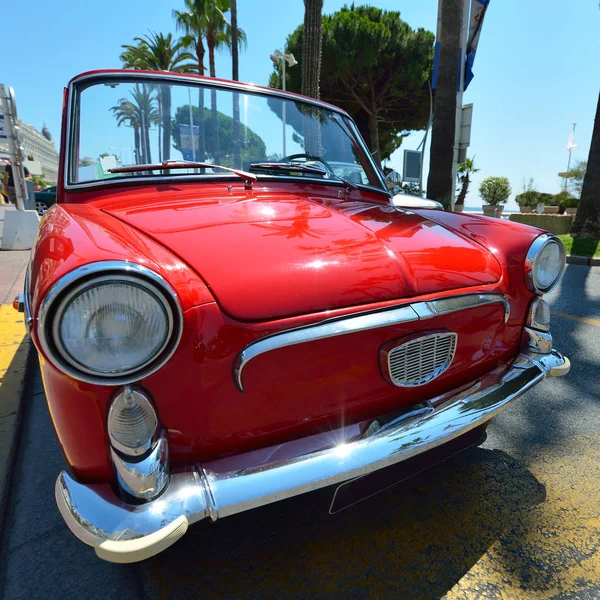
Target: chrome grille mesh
x=420, y=360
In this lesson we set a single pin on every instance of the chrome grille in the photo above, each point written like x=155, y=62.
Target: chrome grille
x=421, y=359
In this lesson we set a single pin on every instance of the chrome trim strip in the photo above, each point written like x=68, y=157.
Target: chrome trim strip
x=95, y=514
x=405, y=313
x=533, y=252
x=136, y=272
x=146, y=478
x=27, y=301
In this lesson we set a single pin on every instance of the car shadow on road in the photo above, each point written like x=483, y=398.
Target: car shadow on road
x=414, y=540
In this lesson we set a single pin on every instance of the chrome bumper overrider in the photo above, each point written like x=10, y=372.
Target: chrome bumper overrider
x=123, y=532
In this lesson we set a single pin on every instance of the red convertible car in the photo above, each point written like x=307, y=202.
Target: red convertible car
x=229, y=310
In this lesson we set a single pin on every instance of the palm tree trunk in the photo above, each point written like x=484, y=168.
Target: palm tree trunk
x=587, y=220
x=237, y=156
x=136, y=135
x=210, y=41
x=160, y=112
x=440, y=182
x=200, y=52
x=166, y=121
x=311, y=51
x=311, y=70
x=148, y=150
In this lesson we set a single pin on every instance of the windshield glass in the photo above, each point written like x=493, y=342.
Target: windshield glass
x=124, y=122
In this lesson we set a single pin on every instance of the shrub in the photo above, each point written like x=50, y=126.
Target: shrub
x=564, y=199
x=495, y=190
x=557, y=224
x=571, y=202
x=531, y=198
x=547, y=199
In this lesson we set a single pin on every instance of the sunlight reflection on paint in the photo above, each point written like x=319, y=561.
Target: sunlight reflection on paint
x=268, y=211
x=321, y=264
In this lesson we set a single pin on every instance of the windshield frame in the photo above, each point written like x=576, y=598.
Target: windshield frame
x=80, y=83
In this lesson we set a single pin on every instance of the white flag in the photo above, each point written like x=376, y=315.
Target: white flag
x=571, y=143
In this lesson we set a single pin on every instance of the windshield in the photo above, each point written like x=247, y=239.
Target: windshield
x=158, y=124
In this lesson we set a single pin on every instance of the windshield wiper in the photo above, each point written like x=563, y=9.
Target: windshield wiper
x=248, y=178
x=290, y=167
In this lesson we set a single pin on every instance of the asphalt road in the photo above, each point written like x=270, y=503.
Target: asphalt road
x=515, y=518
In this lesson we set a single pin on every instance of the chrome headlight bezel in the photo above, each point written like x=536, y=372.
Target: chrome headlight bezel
x=89, y=276
x=533, y=254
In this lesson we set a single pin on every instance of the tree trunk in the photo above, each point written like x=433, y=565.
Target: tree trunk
x=374, y=138
x=200, y=52
x=166, y=121
x=237, y=156
x=210, y=41
x=148, y=157
x=587, y=220
x=234, y=42
x=463, y=190
x=440, y=182
x=311, y=51
x=136, y=135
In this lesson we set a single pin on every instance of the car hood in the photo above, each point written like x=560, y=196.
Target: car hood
x=272, y=255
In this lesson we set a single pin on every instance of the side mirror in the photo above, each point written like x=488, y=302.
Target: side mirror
x=394, y=181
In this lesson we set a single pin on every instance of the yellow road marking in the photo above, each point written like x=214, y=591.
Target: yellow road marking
x=13, y=355
x=553, y=549
x=586, y=320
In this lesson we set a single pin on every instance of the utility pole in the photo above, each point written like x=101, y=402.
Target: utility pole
x=570, y=147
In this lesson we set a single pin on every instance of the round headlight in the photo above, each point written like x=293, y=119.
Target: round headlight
x=112, y=328
x=545, y=263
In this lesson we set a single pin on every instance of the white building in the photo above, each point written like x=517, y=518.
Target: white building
x=40, y=145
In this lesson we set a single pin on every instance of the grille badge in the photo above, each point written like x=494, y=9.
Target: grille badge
x=417, y=360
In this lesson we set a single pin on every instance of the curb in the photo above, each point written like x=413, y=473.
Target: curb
x=583, y=260
x=17, y=381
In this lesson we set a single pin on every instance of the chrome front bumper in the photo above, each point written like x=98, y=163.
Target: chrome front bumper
x=121, y=532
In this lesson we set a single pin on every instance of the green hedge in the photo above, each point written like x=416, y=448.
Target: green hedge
x=557, y=224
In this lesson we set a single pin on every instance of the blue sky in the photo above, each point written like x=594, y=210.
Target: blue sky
x=536, y=69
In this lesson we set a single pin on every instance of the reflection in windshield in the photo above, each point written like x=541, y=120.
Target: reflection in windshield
x=125, y=122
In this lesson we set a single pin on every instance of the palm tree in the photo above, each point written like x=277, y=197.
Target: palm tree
x=205, y=19
x=463, y=174
x=587, y=220
x=193, y=22
x=159, y=52
x=126, y=114
x=139, y=114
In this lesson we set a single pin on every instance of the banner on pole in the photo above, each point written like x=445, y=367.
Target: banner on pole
x=2, y=130
x=478, y=10
x=571, y=145
x=189, y=145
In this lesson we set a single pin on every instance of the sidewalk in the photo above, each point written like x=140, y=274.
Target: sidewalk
x=14, y=349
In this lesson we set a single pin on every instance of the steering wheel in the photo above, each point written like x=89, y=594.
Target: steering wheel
x=308, y=157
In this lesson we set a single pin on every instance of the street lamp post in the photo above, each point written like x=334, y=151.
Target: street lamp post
x=284, y=57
